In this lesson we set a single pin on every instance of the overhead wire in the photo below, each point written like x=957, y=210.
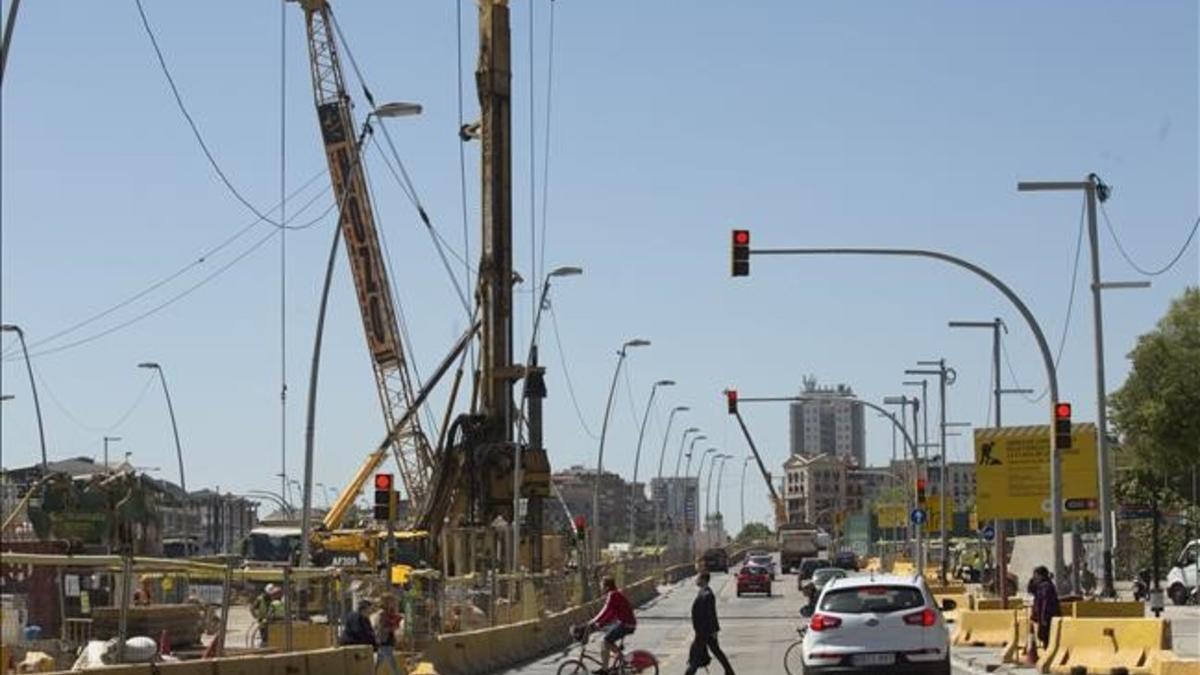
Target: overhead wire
x=546, y=133
x=1133, y=263
x=137, y=401
x=1062, y=342
x=187, y=115
x=533, y=250
x=567, y=373
x=204, y=258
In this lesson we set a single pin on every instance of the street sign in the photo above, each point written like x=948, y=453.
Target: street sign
x=1012, y=472
x=988, y=533
x=917, y=516
x=891, y=515
x=1135, y=512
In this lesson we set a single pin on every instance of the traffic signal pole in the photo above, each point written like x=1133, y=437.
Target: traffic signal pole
x=1056, y=501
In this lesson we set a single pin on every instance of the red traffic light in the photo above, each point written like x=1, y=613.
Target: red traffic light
x=920, y=483
x=580, y=523
x=383, y=481
x=731, y=398
x=1062, y=411
x=741, y=237
x=740, y=260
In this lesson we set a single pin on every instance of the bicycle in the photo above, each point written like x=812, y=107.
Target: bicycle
x=631, y=663
x=793, y=658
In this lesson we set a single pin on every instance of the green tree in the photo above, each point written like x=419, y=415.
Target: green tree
x=1155, y=411
x=753, y=531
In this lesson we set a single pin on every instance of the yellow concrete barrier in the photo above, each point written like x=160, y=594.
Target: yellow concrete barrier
x=1014, y=650
x=305, y=636
x=201, y=667
x=284, y=664
x=903, y=568
x=985, y=628
x=1101, y=644
x=360, y=660
x=948, y=589
x=325, y=662
x=994, y=603
x=1169, y=663
x=874, y=564
x=424, y=668
x=239, y=665
x=1083, y=609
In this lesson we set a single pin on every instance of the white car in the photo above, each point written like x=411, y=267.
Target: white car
x=1183, y=578
x=871, y=623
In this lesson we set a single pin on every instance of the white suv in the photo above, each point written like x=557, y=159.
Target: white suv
x=873, y=623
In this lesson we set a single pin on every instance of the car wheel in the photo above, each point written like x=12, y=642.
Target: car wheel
x=739, y=594
x=942, y=668
x=1178, y=594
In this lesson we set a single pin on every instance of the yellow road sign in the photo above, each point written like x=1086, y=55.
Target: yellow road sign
x=891, y=515
x=1012, y=472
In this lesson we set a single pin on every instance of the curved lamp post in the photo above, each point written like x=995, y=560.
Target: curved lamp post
x=612, y=390
x=171, y=410
x=637, y=456
x=37, y=406
x=662, y=455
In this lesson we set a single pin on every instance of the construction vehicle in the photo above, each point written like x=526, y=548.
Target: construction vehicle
x=468, y=481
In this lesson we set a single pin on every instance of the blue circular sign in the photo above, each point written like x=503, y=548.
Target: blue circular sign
x=988, y=532
x=917, y=516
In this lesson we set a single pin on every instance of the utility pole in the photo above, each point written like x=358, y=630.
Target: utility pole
x=1094, y=189
x=945, y=376
x=107, y=440
x=1000, y=525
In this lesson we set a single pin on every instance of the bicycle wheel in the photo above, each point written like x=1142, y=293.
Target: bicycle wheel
x=574, y=667
x=793, y=658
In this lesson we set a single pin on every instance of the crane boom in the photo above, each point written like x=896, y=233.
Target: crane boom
x=781, y=516
x=371, y=283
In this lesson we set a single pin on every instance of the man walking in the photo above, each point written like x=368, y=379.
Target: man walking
x=704, y=622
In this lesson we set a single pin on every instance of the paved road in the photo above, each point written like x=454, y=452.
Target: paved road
x=755, y=630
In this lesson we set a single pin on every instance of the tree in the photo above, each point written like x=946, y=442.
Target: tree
x=1155, y=411
x=753, y=531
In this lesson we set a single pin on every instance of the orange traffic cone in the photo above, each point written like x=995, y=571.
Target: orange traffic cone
x=1031, y=651
x=164, y=643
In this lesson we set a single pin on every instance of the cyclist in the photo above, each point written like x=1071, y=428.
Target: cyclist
x=616, y=619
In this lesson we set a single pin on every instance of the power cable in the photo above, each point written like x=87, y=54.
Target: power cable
x=1062, y=342
x=45, y=386
x=462, y=155
x=533, y=249
x=161, y=306
x=1129, y=259
x=202, y=259
x=633, y=414
x=212, y=160
x=567, y=373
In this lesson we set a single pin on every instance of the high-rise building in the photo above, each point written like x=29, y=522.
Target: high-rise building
x=828, y=424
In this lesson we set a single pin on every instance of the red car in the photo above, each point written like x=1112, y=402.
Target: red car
x=754, y=579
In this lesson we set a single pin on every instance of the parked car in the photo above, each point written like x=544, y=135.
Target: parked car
x=868, y=623
x=825, y=575
x=715, y=560
x=753, y=579
x=810, y=565
x=763, y=560
x=847, y=560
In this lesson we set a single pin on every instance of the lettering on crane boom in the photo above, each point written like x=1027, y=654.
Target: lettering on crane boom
x=359, y=232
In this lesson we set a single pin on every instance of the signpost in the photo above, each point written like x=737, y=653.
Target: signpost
x=918, y=516
x=1012, y=480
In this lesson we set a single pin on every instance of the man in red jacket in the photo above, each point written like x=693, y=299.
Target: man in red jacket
x=616, y=619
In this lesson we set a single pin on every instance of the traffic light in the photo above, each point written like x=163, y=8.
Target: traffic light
x=384, y=493
x=731, y=400
x=920, y=490
x=741, y=253
x=1062, y=426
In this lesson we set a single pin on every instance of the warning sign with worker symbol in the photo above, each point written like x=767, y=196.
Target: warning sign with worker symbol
x=1012, y=472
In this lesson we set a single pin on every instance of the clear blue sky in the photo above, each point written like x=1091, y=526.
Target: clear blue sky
x=902, y=124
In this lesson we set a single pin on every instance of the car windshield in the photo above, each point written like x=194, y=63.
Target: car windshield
x=824, y=575
x=761, y=560
x=754, y=570
x=872, y=599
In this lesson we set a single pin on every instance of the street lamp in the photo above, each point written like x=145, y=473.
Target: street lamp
x=107, y=440
x=683, y=442
x=946, y=376
x=745, y=463
x=37, y=407
x=699, y=472
x=397, y=109
x=612, y=390
x=662, y=455
x=170, y=409
x=708, y=486
x=534, y=391
x=637, y=456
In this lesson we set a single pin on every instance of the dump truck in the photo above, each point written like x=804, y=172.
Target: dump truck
x=796, y=542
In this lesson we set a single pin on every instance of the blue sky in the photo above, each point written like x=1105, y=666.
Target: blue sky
x=866, y=124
